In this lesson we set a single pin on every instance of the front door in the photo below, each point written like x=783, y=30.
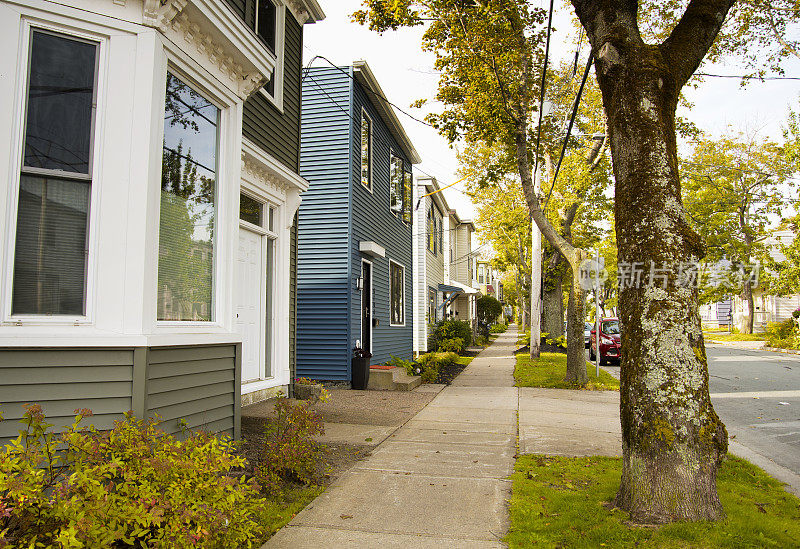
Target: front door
x=249, y=303
x=366, y=307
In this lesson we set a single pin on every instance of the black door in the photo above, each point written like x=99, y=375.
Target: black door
x=366, y=307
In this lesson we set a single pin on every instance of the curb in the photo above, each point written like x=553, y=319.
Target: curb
x=790, y=479
x=779, y=350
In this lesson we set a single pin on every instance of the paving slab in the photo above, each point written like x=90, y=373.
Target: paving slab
x=443, y=459
x=475, y=401
x=471, y=415
x=464, y=427
x=310, y=537
x=401, y=503
x=562, y=441
x=422, y=432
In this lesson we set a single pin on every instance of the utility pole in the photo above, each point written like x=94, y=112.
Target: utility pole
x=597, y=312
x=536, y=284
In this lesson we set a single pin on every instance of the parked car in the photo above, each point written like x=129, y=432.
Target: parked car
x=610, y=341
x=587, y=334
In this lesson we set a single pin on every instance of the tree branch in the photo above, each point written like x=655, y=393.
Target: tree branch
x=692, y=37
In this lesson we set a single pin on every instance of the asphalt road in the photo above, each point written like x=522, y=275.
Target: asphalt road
x=757, y=396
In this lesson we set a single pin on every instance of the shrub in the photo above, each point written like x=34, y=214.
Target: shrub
x=131, y=486
x=452, y=329
x=489, y=309
x=411, y=368
x=481, y=340
x=290, y=453
x=498, y=328
x=783, y=334
x=431, y=363
x=455, y=345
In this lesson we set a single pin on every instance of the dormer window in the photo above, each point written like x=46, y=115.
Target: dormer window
x=266, y=22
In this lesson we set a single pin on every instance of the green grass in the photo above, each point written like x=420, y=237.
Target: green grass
x=550, y=369
x=725, y=336
x=465, y=360
x=559, y=502
x=282, y=509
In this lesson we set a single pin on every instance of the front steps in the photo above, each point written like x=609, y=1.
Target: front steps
x=383, y=378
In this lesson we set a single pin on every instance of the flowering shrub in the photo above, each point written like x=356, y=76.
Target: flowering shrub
x=433, y=362
x=783, y=334
x=132, y=486
x=290, y=453
x=796, y=313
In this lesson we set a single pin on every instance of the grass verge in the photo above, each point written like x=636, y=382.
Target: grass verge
x=465, y=360
x=725, y=336
x=559, y=502
x=283, y=508
x=550, y=369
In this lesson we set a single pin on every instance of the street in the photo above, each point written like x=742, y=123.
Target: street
x=757, y=396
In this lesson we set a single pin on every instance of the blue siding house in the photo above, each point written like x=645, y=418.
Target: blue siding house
x=354, y=279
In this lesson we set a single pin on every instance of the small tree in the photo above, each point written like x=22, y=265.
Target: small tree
x=489, y=309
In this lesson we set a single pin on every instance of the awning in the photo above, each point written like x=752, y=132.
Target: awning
x=464, y=288
x=448, y=288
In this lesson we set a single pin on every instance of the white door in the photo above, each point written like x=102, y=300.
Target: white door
x=250, y=303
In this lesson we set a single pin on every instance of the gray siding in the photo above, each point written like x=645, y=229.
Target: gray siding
x=62, y=381
x=278, y=133
x=372, y=220
x=199, y=384
x=323, y=275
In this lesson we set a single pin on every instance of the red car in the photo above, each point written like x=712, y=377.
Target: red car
x=610, y=341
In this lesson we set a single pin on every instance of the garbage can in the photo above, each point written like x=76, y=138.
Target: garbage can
x=360, y=368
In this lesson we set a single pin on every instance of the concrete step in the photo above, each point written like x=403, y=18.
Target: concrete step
x=392, y=379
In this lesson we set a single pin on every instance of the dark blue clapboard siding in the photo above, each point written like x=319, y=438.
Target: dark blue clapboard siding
x=323, y=297
x=336, y=214
x=372, y=220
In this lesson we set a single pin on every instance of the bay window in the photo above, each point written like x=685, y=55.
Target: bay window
x=50, y=257
x=187, y=218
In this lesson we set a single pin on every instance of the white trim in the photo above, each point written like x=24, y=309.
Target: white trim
x=371, y=305
x=28, y=25
x=366, y=115
x=402, y=298
x=275, y=171
x=371, y=248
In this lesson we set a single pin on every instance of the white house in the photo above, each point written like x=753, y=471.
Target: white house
x=151, y=157
x=442, y=256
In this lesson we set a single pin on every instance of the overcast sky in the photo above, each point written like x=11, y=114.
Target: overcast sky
x=406, y=73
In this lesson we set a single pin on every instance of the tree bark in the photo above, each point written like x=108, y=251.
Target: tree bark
x=576, y=314
x=553, y=298
x=672, y=439
x=748, y=319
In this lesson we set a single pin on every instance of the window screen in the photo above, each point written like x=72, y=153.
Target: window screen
x=396, y=184
x=188, y=205
x=55, y=184
x=250, y=209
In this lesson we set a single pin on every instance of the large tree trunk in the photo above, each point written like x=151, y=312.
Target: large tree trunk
x=747, y=298
x=553, y=307
x=576, y=359
x=672, y=440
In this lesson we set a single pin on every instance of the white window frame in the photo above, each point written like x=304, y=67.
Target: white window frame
x=392, y=155
x=176, y=62
x=90, y=33
x=403, y=296
x=364, y=114
x=280, y=41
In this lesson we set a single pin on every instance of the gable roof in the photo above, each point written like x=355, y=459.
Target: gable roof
x=363, y=74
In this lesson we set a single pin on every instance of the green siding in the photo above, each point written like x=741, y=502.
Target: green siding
x=276, y=132
x=199, y=384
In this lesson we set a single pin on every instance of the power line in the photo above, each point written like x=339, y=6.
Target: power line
x=569, y=129
x=747, y=77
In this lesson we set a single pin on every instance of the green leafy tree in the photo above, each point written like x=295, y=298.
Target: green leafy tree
x=488, y=52
x=732, y=188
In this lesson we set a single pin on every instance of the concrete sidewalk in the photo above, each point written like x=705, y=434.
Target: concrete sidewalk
x=439, y=481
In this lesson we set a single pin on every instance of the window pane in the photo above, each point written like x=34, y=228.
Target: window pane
x=396, y=184
x=266, y=23
x=250, y=209
x=188, y=205
x=58, y=127
x=366, y=151
x=271, y=224
x=396, y=278
x=50, y=253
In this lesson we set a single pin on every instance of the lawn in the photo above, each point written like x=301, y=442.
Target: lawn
x=283, y=508
x=561, y=502
x=725, y=336
x=550, y=369
x=465, y=360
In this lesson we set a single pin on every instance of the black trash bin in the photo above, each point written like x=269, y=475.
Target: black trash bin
x=360, y=369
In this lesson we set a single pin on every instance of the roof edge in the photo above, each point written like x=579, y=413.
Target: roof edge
x=366, y=78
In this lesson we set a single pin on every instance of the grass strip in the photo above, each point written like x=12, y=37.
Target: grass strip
x=550, y=369
x=563, y=502
x=725, y=336
x=283, y=508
